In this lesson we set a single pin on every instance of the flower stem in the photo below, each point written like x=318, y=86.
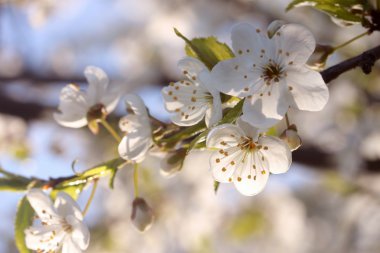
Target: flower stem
x=351, y=40
x=136, y=179
x=111, y=130
x=378, y=5
x=287, y=120
x=91, y=197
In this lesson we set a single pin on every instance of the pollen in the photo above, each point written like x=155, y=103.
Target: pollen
x=239, y=179
x=185, y=72
x=224, y=169
x=170, y=93
x=217, y=160
x=290, y=88
x=232, y=162
x=193, y=99
x=258, y=30
x=240, y=52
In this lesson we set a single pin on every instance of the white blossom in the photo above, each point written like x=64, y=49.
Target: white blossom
x=61, y=225
x=244, y=157
x=137, y=129
x=76, y=104
x=193, y=99
x=271, y=73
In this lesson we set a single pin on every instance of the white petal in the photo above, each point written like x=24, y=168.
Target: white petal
x=265, y=111
x=248, y=129
x=191, y=67
x=137, y=105
x=223, y=166
x=110, y=100
x=134, y=146
x=98, y=82
x=73, y=107
x=80, y=235
x=295, y=40
x=277, y=154
x=309, y=91
x=248, y=180
x=246, y=39
x=66, y=206
x=132, y=123
x=42, y=205
x=189, y=117
x=69, y=246
x=44, y=237
x=223, y=136
x=213, y=114
x=236, y=76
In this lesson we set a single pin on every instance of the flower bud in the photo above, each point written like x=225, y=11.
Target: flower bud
x=172, y=163
x=142, y=215
x=274, y=27
x=318, y=59
x=291, y=137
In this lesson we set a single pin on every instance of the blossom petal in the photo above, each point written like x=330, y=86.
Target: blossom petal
x=296, y=42
x=131, y=123
x=72, y=107
x=224, y=162
x=136, y=104
x=309, y=91
x=189, y=115
x=66, y=206
x=97, y=84
x=250, y=180
x=236, y=76
x=42, y=205
x=134, y=146
x=191, y=67
x=69, y=246
x=248, y=129
x=45, y=238
x=80, y=235
x=224, y=136
x=265, y=111
x=246, y=39
x=276, y=153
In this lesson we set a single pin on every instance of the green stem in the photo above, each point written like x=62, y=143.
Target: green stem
x=378, y=5
x=90, y=198
x=287, y=120
x=136, y=179
x=111, y=130
x=351, y=40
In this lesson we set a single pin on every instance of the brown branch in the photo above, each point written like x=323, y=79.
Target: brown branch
x=365, y=61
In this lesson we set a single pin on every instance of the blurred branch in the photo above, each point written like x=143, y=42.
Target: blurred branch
x=33, y=77
x=365, y=61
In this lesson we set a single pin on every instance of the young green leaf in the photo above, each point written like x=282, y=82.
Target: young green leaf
x=24, y=219
x=349, y=11
x=208, y=50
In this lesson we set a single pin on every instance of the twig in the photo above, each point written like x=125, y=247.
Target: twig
x=365, y=60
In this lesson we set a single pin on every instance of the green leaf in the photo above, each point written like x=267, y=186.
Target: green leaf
x=208, y=50
x=24, y=219
x=234, y=113
x=73, y=191
x=351, y=11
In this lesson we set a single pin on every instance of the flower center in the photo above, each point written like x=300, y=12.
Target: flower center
x=247, y=143
x=272, y=71
x=96, y=112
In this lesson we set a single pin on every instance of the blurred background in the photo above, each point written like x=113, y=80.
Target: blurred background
x=329, y=201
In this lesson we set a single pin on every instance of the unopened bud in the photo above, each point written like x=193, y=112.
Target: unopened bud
x=291, y=137
x=142, y=215
x=274, y=27
x=172, y=163
x=318, y=59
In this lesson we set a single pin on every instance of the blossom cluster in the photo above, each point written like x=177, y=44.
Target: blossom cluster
x=268, y=74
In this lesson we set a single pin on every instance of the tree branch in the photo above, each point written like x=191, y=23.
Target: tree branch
x=365, y=60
